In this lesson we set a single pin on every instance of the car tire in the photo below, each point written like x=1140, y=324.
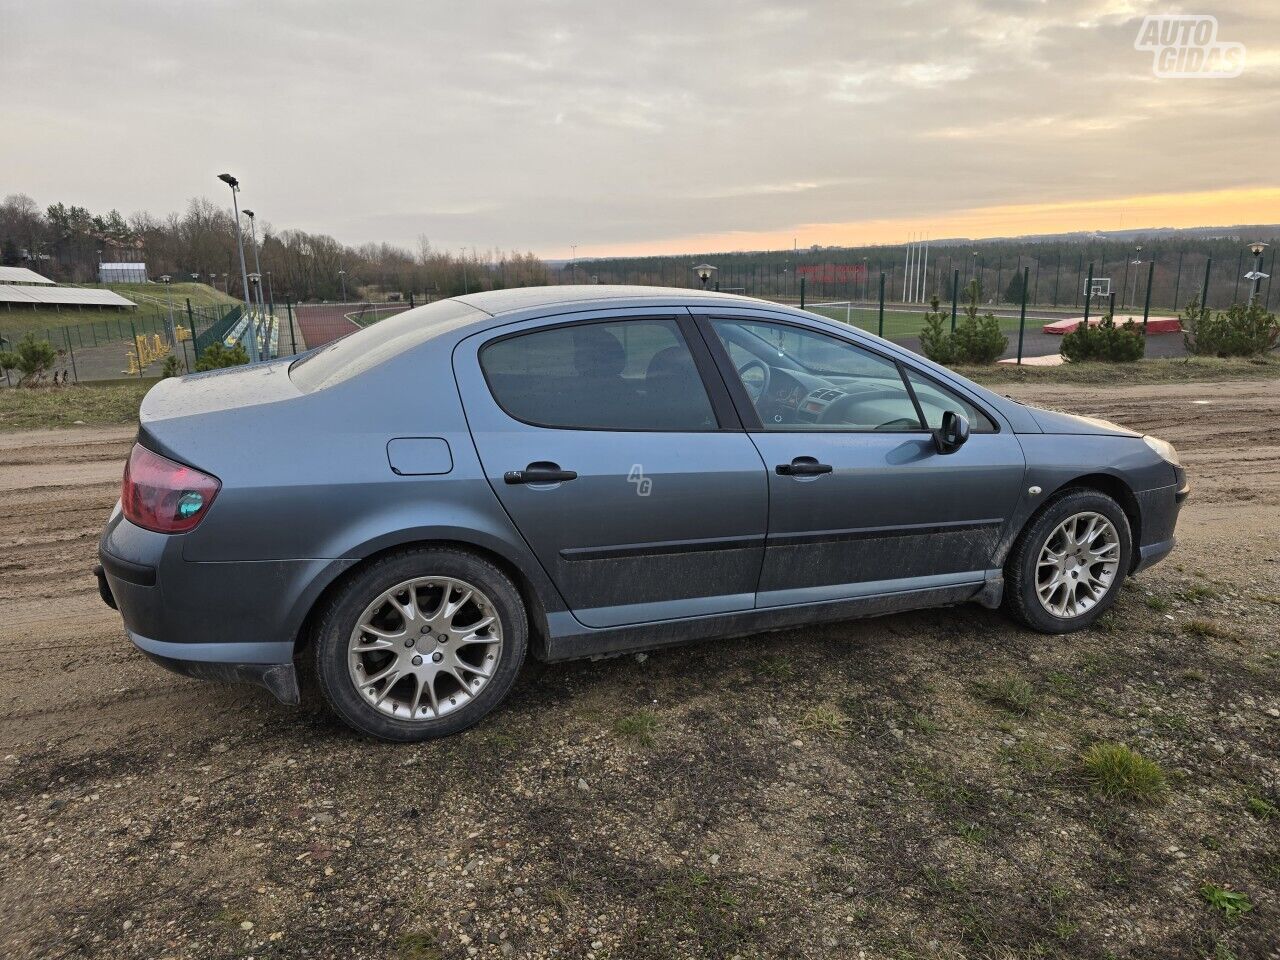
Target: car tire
x=429, y=660
x=1055, y=582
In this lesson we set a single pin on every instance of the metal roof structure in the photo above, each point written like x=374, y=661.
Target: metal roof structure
x=21, y=275
x=61, y=296
x=117, y=272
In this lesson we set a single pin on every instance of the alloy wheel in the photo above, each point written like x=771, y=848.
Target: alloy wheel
x=425, y=648
x=1077, y=565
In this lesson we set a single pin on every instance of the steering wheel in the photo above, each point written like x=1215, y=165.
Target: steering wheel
x=755, y=384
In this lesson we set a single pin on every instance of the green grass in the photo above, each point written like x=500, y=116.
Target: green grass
x=1114, y=770
x=1231, y=903
x=1157, y=370
x=97, y=404
x=91, y=325
x=640, y=726
x=825, y=721
x=1009, y=693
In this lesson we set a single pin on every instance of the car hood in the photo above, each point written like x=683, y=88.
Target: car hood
x=1051, y=421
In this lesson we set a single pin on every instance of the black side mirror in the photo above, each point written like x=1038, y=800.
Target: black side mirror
x=954, y=432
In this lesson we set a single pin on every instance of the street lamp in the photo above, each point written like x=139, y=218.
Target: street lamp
x=234, y=184
x=255, y=284
x=342, y=279
x=257, y=266
x=704, y=271
x=169, y=330
x=1256, y=274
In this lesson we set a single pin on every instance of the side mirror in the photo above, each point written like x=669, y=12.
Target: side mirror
x=954, y=432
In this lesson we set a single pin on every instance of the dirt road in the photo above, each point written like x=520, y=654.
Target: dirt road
x=861, y=789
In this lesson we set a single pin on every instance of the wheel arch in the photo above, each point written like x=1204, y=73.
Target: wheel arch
x=535, y=607
x=1105, y=483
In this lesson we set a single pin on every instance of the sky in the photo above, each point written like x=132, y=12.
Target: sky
x=633, y=128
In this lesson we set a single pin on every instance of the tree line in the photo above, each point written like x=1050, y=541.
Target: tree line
x=66, y=242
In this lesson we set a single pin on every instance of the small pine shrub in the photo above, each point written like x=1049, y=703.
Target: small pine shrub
x=977, y=339
x=172, y=367
x=217, y=356
x=1105, y=342
x=1242, y=330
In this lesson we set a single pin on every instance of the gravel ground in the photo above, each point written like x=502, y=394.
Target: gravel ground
x=898, y=788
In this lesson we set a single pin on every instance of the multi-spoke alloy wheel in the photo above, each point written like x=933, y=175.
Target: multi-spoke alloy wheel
x=420, y=643
x=1067, y=564
x=425, y=647
x=1077, y=565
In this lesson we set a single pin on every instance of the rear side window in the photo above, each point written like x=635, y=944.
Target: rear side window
x=936, y=400
x=612, y=375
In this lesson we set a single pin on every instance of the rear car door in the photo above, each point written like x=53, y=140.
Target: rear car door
x=611, y=442
x=861, y=501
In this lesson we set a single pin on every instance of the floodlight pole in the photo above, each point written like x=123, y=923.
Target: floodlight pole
x=257, y=265
x=234, y=184
x=170, y=332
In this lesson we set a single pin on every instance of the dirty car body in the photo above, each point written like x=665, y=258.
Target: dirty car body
x=644, y=466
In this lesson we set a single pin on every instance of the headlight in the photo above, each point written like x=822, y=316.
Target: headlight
x=1164, y=449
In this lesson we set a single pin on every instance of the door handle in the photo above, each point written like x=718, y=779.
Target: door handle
x=540, y=471
x=802, y=467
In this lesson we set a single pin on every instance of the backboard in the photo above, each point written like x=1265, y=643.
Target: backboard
x=1101, y=287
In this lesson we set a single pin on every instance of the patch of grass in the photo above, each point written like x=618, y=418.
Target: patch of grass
x=1030, y=756
x=1158, y=604
x=417, y=946
x=1272, y=598
x=775, y=667
x=640, y=726
x=1153, y=370
x=973, y=833
x=23, y=408
x=1261, y=808
x=1009, y=693
x=1205, y=630
x=1193, y=675
x=1114, y=770
x=1198, y=593
x=1064, y=684
x=1231, y=903
x=825, y=721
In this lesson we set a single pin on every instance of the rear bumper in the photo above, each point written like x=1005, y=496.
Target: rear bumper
x=269, y=665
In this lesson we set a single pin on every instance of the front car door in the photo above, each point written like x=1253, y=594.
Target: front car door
x=616, y=451
x=861, y=502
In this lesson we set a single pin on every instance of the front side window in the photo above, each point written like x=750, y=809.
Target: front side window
x=611, y=375
x=936, y=400
x=799, y=379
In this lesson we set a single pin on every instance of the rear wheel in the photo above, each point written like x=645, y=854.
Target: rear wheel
x=1066, y=567
x=421, y=644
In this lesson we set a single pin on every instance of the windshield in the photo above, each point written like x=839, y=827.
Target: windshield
x=379, y=342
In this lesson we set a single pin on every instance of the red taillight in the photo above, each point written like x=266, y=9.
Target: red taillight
x=164, y=496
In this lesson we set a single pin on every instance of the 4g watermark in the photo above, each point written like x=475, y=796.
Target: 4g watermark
x=1186, y=47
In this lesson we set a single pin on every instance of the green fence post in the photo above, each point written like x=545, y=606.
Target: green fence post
x=191, y=325
x=74, y=372
x=1204, y=291
x=134, y=330
x=1177, y=281
x=293, y=339
x=1022, y=317
x=1146, y=306
x=880, y=329
x=802, y=279
x=955, y=297
x=1088, y=294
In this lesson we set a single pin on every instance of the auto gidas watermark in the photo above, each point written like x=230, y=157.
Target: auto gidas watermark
x=1186, y=47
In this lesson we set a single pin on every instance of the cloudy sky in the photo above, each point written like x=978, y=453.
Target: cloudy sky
x=640, y=127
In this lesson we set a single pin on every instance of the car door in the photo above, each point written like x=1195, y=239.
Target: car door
x=616, y=451
x=861, y=500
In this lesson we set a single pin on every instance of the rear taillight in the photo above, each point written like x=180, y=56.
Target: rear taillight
x=164, y=496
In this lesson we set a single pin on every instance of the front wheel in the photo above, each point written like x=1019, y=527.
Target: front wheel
x=421, y=644
x=1067, y=566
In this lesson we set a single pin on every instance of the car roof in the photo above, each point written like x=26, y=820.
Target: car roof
x=497, y=302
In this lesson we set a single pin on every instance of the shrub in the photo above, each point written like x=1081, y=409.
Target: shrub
x=1105, y=342
x=172, y=367
x=32, y=358
x=977, y=339
x=1232, y=903
x=1114, y=770
x=1242, y=330
x=216, y=356
x=935, y=340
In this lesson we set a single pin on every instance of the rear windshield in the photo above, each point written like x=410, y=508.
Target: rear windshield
x=372, y=345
